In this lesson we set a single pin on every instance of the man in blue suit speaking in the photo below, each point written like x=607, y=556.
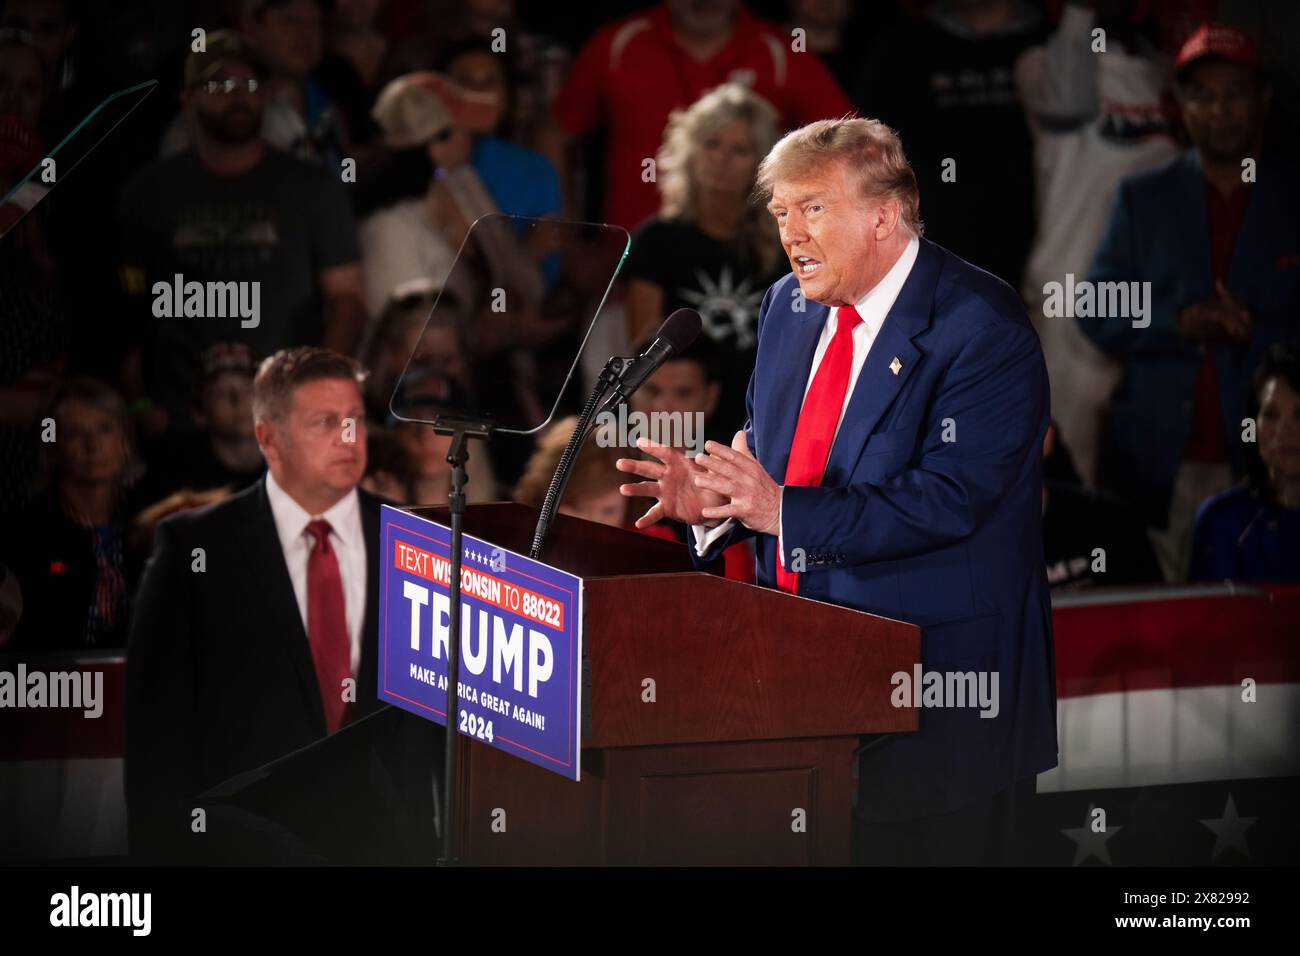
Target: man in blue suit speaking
x=892, y=463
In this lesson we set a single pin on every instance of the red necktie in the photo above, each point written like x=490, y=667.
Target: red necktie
x=815, y=432
x=327, y=624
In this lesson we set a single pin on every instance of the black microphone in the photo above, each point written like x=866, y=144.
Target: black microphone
x=618, y=380
x=675, y=336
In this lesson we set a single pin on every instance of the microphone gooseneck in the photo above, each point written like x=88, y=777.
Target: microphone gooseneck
x=617, y=381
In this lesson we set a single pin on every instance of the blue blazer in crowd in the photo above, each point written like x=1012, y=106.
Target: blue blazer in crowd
x=929, y=512
x=1159, y=233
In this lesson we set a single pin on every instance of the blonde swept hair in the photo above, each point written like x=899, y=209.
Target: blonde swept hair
x=688, y=128
x=872, y=151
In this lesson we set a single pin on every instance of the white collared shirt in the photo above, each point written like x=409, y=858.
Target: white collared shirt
x=873, y=308
x=348, y=541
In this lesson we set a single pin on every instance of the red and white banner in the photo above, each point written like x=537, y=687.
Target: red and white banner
x=1176, y=685
x=1155, y=686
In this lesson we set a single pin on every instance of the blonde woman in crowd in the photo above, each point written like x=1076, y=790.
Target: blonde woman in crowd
x=710, y=248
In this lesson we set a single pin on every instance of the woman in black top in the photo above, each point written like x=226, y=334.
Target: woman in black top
x=710, y=248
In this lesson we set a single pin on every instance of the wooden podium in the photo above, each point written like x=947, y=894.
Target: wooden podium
x=720, y=719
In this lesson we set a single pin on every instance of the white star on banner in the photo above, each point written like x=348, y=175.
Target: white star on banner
x=1229, y=830
x=1089, y=842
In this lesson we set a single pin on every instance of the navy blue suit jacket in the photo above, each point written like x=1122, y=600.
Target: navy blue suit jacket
x=929, y=512
x=1159, y=233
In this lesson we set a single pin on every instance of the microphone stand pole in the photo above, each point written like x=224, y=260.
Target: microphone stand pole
x=457, y=456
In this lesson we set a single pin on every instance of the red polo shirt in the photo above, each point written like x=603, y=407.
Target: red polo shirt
x=632, y=74
x=1225, y=213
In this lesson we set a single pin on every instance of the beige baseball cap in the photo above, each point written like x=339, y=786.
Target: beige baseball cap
x=413, y=109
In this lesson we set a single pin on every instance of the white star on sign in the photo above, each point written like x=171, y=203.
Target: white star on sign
x=1229, y=830
x=1088, y=842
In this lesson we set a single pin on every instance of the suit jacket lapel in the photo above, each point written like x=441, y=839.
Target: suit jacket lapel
x=1193, y=228
x=1252, y=258
x=794, y=357
x=266, y=556
x=878, y=384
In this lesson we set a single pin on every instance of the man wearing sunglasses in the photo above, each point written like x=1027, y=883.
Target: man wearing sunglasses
x=234, y=209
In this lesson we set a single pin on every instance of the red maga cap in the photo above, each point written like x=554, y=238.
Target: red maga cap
x=1217, y=40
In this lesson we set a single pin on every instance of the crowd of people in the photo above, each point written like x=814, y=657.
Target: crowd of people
x=321, y=173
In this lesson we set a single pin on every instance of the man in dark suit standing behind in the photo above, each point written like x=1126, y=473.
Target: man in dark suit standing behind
x=256, y=629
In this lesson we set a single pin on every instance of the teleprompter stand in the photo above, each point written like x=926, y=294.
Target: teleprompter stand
x=460, y=430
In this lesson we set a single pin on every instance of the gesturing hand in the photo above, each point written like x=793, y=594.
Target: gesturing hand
x=679, y=499
x=1223, y=316
x=749, y=493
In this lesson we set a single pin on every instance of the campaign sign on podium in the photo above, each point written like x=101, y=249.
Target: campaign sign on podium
x=521, y=641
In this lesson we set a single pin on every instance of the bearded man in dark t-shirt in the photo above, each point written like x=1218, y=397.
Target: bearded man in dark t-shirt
x=233, y=210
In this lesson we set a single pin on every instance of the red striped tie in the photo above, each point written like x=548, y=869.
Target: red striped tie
x=327, y=624
x=815, y=432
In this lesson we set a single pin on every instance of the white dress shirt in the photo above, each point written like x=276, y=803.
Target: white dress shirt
x=349, y=545
x=873, y=308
